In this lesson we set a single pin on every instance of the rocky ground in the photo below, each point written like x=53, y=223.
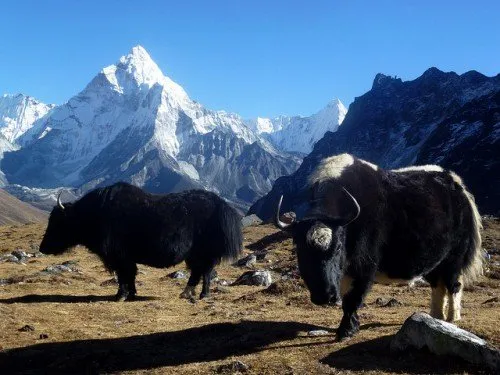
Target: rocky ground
x=57, y=316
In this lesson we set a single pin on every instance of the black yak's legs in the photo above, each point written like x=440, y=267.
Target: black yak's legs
x=205, y=291
x=194, y=279
x=126, y=282
x=350, y=304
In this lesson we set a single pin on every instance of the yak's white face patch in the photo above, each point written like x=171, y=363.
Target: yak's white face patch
x=331, y=167
x=320, y=236
x=425, y=168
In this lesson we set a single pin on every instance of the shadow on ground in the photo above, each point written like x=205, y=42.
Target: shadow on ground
x=59, y=298
x=374, y=355
x=269, y=240
x=201, y=344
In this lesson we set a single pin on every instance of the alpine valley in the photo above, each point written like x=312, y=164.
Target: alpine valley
x=132, y=123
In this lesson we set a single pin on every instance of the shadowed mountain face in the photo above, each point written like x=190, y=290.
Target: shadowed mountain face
x=439, y=118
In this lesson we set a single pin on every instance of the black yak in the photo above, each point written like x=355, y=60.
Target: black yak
x=364, y=224
x=124, y=226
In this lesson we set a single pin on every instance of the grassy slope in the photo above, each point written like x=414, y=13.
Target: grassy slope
x=14, y=211
x=162, y=334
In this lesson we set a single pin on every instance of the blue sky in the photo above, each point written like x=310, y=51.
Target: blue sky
x=250, y=57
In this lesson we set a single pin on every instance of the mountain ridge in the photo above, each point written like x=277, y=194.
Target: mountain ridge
x=439, y=117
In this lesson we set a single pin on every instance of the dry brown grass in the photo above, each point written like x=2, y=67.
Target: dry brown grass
x=162, y=334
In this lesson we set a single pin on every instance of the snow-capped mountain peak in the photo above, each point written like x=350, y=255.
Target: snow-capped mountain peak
x=300, y=133
x=18, y=113
x=137, y=69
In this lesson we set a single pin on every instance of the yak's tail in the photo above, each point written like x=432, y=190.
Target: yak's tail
x=231, y=226
x=474, y=266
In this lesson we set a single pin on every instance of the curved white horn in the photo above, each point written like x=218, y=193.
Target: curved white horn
x=281, y=225
x=356, y=205
x=59, y=201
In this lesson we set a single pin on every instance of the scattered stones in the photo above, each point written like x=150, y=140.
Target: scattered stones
x=9, y=258
x=383, y=302
x=318, y=332
x=57, y=269
x=43, y=336
x=232, y=367
x=13, y=280
x=257, y=278
x=442, y=338
x=21, y=255
x=26, y=328
x=251, y=220
x=247, y=261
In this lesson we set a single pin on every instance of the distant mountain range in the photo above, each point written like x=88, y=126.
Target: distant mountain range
x=439, y=118
x=133, y=123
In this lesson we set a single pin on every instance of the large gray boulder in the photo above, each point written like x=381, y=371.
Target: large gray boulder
x=442, y=338
x=256, y=278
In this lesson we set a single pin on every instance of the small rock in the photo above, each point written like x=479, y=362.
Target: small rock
x=257, y=278
x=442, y=338
x=26, y=328
x=223, y=282
x=318, y=332
x=232, y=367
x=383, y=302
x=251, y=220
x=177, y=275
x=38, y=254
x=19, y=254
x=43, y=336
x=247, y=261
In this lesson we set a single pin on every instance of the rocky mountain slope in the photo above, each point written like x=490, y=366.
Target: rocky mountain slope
x=439, y=118
x=133, y=123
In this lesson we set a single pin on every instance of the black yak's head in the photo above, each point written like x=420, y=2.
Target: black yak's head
x=60, y=233
x=320, y=242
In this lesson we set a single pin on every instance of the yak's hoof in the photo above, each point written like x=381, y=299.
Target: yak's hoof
x=188, y=293
x=345, y=333
x=121, y=297
x=204, y=295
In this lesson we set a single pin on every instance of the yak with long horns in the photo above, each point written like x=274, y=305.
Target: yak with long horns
x=365, y=224
x=125, y=226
